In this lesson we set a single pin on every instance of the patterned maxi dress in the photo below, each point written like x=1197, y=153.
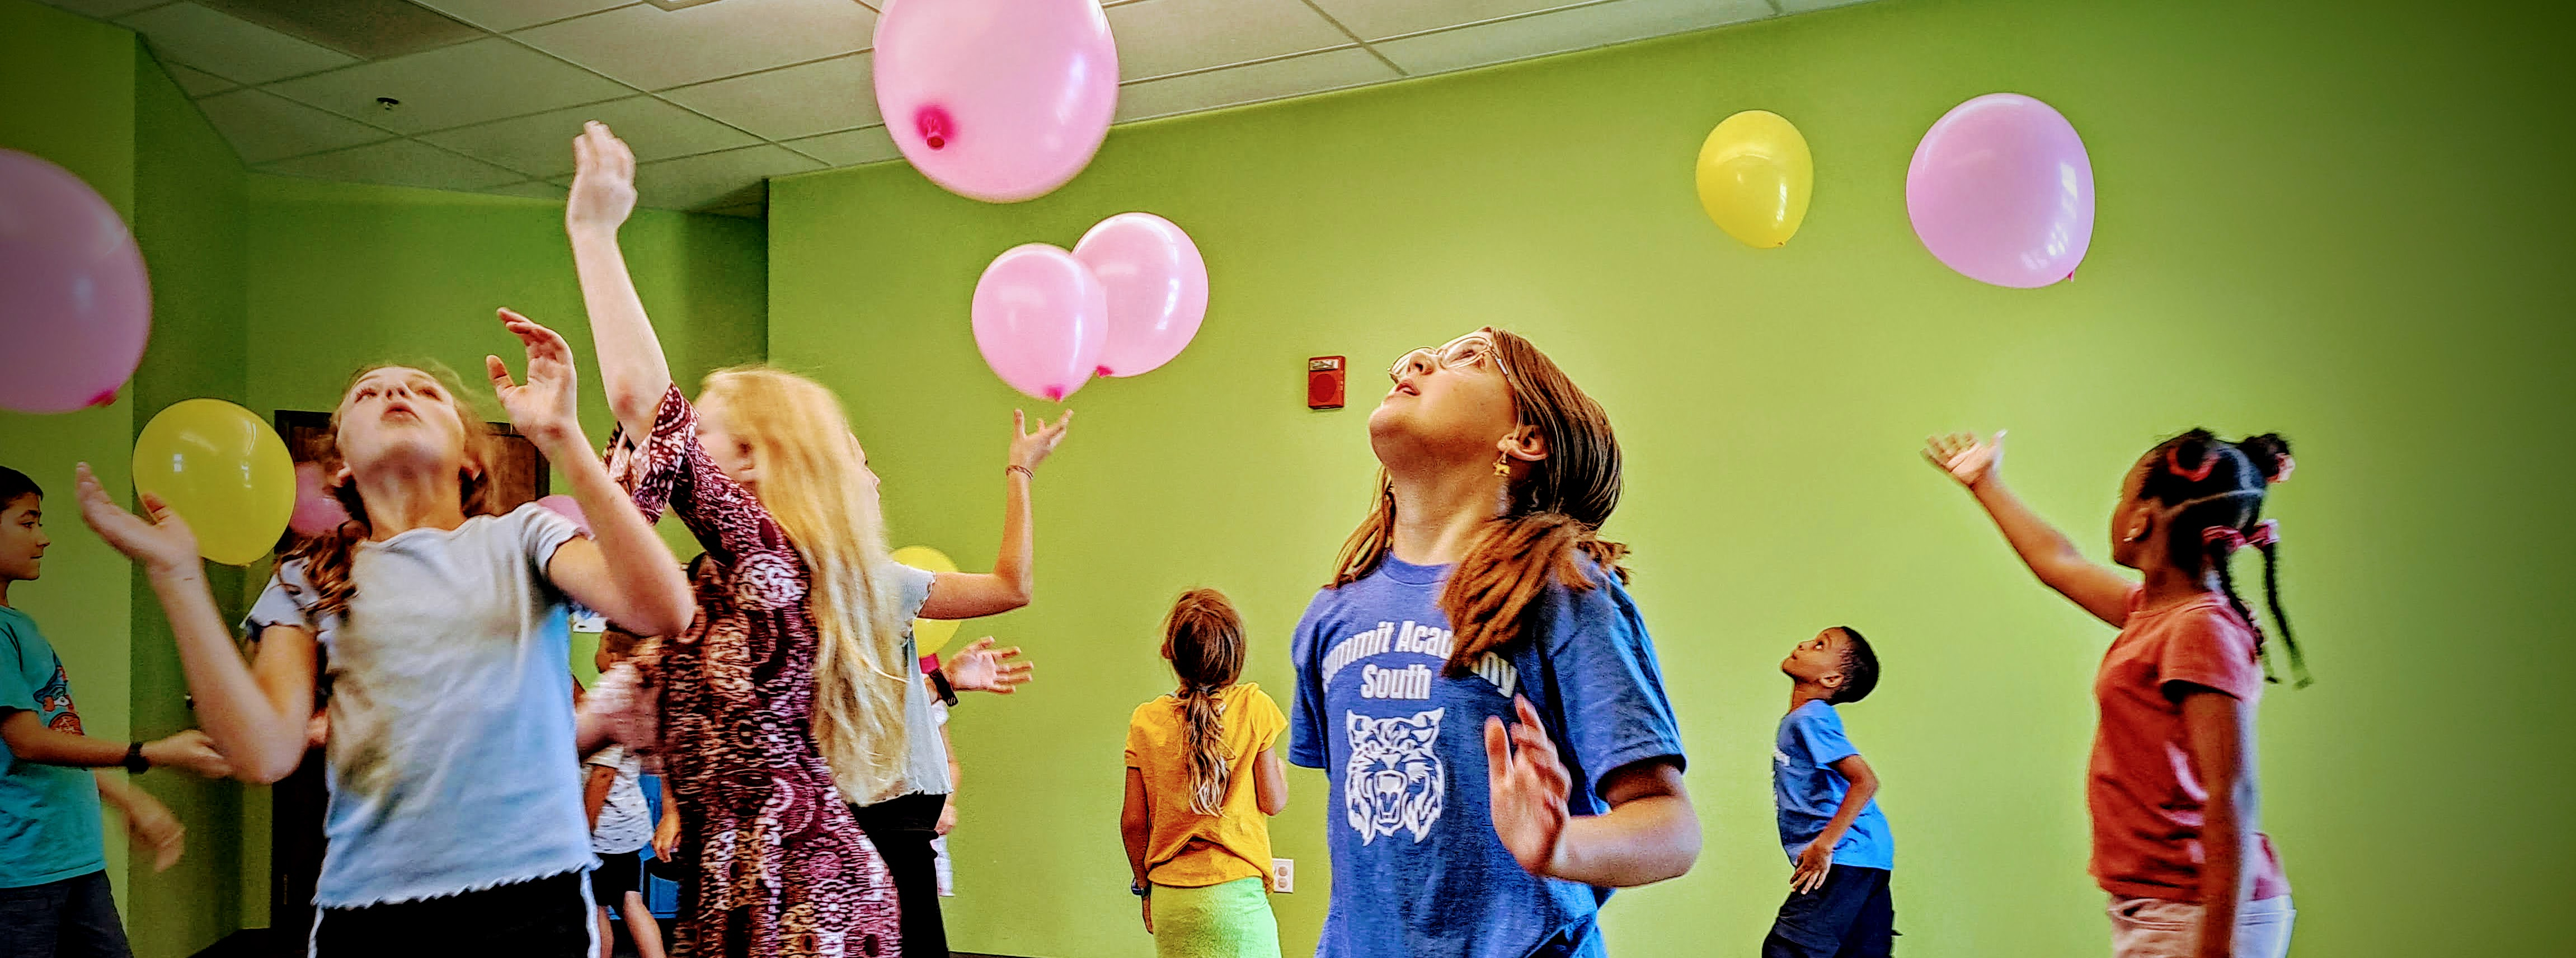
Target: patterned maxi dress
x=781, y=868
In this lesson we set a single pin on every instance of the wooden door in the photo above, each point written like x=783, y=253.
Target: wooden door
x=297, y=801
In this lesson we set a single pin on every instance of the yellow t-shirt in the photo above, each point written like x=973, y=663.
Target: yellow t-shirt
x=1186, y=849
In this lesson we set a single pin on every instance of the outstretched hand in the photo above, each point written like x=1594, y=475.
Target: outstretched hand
x=603, y=180
x=161, y=543
x=547, y=407
x=1527, y=786
x=1964, y=457
x=980, y=668
x=1030, y=448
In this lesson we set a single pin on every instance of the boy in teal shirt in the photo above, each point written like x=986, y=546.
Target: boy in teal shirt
x=53, y=861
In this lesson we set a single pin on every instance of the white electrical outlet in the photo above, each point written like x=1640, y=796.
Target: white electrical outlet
x=1283, y=875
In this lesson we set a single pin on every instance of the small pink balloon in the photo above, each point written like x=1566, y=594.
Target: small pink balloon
x=75, y=304
x=1040, y=319
x=569, y=509
x=996, y=100
x=316, y=510
x=2002, y=191
x=1158, y=289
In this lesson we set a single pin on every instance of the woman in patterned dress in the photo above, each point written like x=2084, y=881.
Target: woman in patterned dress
x=791, y=599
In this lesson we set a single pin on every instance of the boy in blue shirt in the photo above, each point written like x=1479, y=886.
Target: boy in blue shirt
x=53, y=861
x=1830, y=825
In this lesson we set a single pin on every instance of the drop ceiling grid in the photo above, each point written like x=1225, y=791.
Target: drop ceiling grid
x=1186, y=89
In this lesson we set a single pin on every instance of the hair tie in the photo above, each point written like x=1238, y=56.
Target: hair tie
x=2173, y=464
x=2287, y=464
x=2266, y=534
x=2229, y=540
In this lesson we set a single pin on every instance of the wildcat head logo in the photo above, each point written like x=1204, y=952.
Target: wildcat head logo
x=1394, y=781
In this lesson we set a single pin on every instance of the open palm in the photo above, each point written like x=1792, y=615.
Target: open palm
x=160, y=542
x=1527, y=786
x=981, y=668
x=603, y=180
x=1964, y=457
x=1030, y=448
x=546, y=405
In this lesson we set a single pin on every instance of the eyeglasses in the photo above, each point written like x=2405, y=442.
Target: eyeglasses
x=1471, y=350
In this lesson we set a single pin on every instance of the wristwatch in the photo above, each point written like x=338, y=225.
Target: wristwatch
x=135, y=763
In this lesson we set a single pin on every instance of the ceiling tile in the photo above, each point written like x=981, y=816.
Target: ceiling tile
x=221, y=45
x=542, y=191
x=656, y=49
x=103, y=9
x=1312, y=73
x=400, y=163
x=508, y=15
x=1162, y=37
x=1803, y=6
x=1591, y=26
x=452, y=86
x=197, y=82
x=541, y=145
x=849, y=147
x=263, y=126
x=834, y=94
x=716, y=179
x=1379, y=19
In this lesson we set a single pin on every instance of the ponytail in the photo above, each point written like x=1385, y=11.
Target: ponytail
x=2214, y=491
x=1203, y=637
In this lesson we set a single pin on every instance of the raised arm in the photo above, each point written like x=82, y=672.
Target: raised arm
x=1013, y=581
x=1978, y=466
x=256, y=720
x=623, y=570
x=631, y=365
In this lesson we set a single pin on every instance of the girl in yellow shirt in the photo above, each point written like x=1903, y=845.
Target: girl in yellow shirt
x=1198, y=835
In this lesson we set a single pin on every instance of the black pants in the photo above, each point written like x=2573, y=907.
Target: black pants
x=71, y=918
x=1852, y=916
x=902, y=829
x=543, y=918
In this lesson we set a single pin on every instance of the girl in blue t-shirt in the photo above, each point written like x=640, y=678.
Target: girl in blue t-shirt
x=1479, y=601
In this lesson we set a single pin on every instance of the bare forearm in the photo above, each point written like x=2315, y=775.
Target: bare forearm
x=1016, y=563
x=30, y=741
x=2223, y=884
x=1640, y=842
x=631, y=365
x=1135, y=833
x=2039, y=544
x=1854, y=800
x=263, y=743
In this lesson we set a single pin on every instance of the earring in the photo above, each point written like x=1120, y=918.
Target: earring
x=1502, y=465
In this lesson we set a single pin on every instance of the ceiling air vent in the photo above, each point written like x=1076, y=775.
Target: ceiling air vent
x=366, y=29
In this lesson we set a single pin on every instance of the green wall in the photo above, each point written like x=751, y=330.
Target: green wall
x=67, y=95
x=2346, y=222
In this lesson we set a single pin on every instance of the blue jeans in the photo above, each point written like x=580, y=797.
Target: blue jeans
x=71, y=918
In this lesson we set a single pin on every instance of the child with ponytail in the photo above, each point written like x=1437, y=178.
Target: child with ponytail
x=2176, y=837
x=455, y=816
x=1479, y=596
x=1202, y=781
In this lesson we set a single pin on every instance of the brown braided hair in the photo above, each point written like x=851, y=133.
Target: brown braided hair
x=1550, y=523
x=327, y=557
x=1204, y=639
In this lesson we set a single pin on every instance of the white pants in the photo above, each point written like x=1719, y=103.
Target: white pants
x=2156, y=928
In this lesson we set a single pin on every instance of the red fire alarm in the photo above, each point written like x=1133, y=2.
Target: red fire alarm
x=1324, y=382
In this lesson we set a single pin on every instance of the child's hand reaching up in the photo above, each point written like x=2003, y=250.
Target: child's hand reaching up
x=1030, y=448
x=160, y=544
x=1527, y=787
x=1813, y=863
x=1965, y=458
x=545, y=409
x=603, y=180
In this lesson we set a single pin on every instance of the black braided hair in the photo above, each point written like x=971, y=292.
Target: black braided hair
x=2223, y=484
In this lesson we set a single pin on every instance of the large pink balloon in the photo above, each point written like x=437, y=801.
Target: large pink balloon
x=75, y=305
x=316, y=510
x=1158, y=289
x=2002, y=191
x=1040, y=319
x=996, y=100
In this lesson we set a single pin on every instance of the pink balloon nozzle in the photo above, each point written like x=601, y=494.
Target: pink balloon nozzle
x=107, y=398
x=935, y=125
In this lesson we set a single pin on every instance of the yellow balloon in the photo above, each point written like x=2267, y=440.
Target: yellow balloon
x=1755, y=178
x=929, y=635
x=224, y=471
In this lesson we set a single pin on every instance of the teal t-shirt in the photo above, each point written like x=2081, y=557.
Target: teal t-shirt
x=49, y=816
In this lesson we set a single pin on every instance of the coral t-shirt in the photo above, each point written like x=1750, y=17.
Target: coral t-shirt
x=2146, y=798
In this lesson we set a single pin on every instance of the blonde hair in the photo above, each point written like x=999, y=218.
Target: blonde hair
x=809, y=466
x=1204, y=639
